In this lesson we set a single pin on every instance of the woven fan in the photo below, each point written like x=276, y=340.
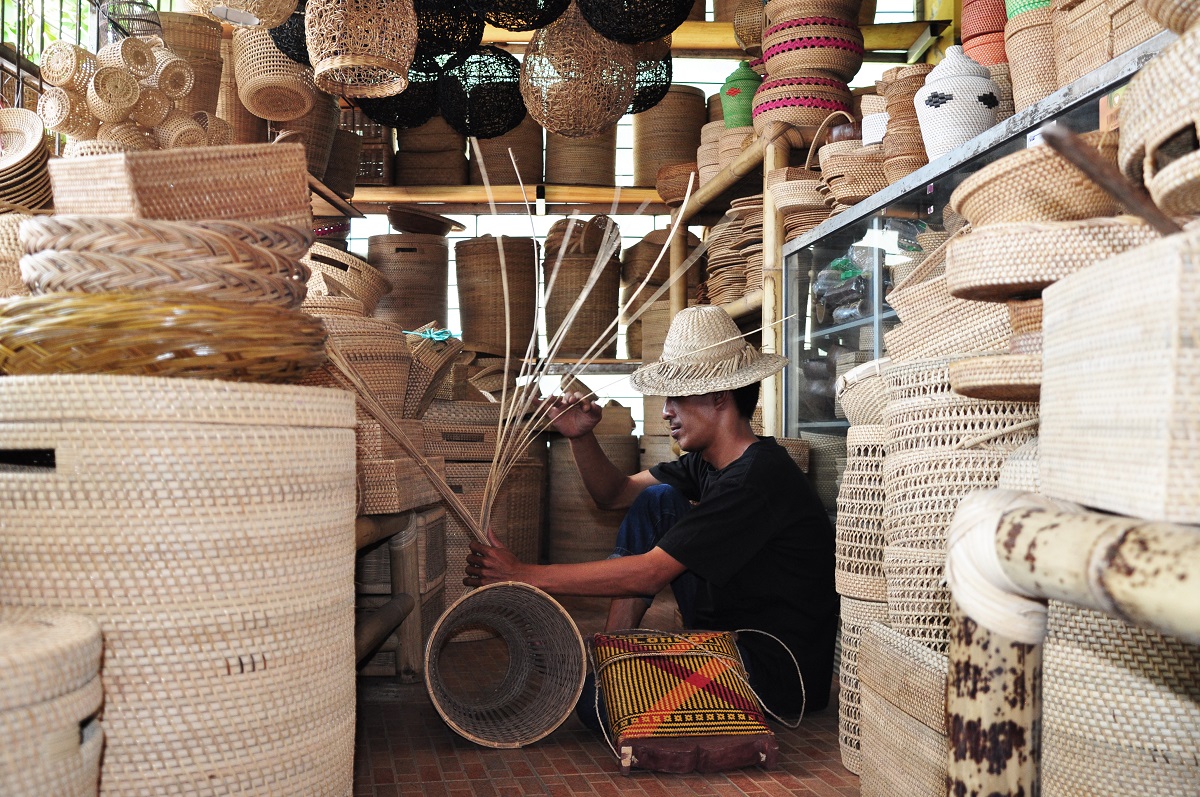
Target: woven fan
x=414, y=106
x=480, y=93
x=635, y=21
x=446, y=26
x=653, y=64
x=520, y=14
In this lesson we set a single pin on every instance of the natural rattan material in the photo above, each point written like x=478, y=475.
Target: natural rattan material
x=634, y=22
x=173, y=75
x=582, y=161
x=67, y=113
x=525, y=141
x=481, y=295
x=999, y=377
x=596, y=316
x=360, y=48
x=545, y=666
x=269, y=84
x=860, y=541
x=575, y=82
x=112, y=93
x=666, y=134
x=857, y=615
x=132, y=53
x=68, y=66
x=416, y=266
x=349, y=275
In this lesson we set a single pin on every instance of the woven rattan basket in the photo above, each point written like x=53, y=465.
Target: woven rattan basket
x=317, y=128
x=595, y=319
x=667, y=133
x=861, y=393
x=823, y=468
x=857, y=615
x=379, y=355
x=227, y=621
x=582, y=161
x=360, y=48
x=859, y=540
x=525, y=142
x=481, y=293
x=269, y=84
x=416, y=266
x=545, y=664
x=579, y=531
x=342, y=274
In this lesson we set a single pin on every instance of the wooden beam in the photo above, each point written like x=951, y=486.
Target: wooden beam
x=509, y=198
x=372, y=630
x=373, y=528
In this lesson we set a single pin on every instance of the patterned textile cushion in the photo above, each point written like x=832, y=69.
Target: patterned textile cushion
x=680, y=702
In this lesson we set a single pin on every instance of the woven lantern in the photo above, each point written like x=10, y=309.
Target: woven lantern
x=414, y=106
x=361, y=48
x=289, y=37
x=480, y=92
x=269, y=84
x=635, y=21
x=574, y=81
x=258, y=14
x=125, y=18
x=653, y=64
x=521, y=14
x=445, y=26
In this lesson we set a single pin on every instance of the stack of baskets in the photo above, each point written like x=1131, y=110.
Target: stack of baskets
x=641, y=278
x=668, y=133
x=708, y=154
x=903, y=146
x=1090, y=33
x=197, y=40
x=983, y=31
x=432, y=154
x=316, y=129
x=798, y=197
x=1029, y=41
x=730, y=144
x=725, y=276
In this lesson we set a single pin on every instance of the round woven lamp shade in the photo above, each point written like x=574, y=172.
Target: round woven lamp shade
x=653, y=64
x=414, y=106
x=520, y=14
x=479, y=92
x=480, y=291
x=635, y=21
x=575, y=82
x=290, y=38
x=361, y=48
x=445, y=27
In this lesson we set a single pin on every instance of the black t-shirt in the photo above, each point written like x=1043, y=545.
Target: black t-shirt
x=761, y=543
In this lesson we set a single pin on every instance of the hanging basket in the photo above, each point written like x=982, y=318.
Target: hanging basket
x=445, y=27
x=257, y=14
x=479, y=92
x=520, y=14
x=126, y=18
x=575, y=82
x=414, y=106
x=290, y=37
x=269, y=84
x=653, y=63
x=361, y=48
x=634, y=21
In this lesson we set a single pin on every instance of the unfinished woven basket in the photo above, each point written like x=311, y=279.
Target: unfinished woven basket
x=360, y=48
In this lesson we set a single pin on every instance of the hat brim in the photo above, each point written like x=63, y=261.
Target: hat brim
x=649, y=380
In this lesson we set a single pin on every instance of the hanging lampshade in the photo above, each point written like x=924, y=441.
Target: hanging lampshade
x=635, y=21
x=120, y=19
x=575, y=82
x=480, y=93
x=447, y=26
x=289, y=37
x=520, y=14
x=361, y=48
x=260, y=14
x=414, y=106
x=653, y=74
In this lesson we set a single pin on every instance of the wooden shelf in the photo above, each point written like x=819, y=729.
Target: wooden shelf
x=559, y=199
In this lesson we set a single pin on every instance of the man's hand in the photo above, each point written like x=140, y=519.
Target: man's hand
x=573, y=415
x=489, y=564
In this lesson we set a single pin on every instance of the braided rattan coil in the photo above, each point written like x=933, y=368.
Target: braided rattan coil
x=66, y=112
x=360, y=48
x=352, y=274
x=112, y=93
x=859, y=550
x=131, y=53
x=68, y=66
x=269, y=84
x=856, y=616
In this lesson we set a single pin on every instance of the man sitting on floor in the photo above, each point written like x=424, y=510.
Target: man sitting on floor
x=733, y=526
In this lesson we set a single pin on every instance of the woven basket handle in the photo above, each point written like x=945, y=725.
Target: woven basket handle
x=821, y=131
x=927, y=266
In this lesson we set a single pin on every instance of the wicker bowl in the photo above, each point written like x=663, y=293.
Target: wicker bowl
x=672, y=182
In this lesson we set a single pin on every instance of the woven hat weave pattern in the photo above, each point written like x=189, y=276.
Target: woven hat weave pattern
x=704, y=352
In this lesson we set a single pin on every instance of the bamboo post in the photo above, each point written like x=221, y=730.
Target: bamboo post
x=775, y=156
x=379, y=625
x=993, y=710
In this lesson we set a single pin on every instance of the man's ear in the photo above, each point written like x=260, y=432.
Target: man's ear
x=722, y=399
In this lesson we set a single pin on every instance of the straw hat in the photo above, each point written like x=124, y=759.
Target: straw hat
x=704, y=353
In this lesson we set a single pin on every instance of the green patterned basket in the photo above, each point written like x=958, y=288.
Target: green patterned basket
x=1014, y=7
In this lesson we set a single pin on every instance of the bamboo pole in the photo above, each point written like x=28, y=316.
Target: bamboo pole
x=775, y=156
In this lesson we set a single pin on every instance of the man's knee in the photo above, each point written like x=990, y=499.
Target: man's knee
x=660, y=500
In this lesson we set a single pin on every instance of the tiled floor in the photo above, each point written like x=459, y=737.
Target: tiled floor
x=404, y=748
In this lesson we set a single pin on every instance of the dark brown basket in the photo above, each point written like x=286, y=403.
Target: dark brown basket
x=480, y=291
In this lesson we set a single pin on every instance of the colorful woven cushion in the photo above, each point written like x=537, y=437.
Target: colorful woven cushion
x=680, y=702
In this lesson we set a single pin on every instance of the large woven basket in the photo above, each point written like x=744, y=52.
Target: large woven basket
x=416, y=267
x=539, y=679
x=578, y=531
x=861, y=394
x=247, y=183
x=582, y=161
x=247, y=128
x=857, y=615
x=825, y=450
x=227, y=620
x=667, y=133
x=342, y=274
x=595, y=319
x=858, y=568
x=269, y=84
x=1120, y=708
x=1029, y=44
x=379, y=355
x=481, y=293
x=525, y=143
x=317, y=127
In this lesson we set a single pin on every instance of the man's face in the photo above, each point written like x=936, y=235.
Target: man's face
x=692, y=420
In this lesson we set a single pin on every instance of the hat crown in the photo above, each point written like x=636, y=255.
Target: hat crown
x=701, y=336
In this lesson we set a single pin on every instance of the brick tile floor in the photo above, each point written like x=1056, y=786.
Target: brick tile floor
x=404, y=748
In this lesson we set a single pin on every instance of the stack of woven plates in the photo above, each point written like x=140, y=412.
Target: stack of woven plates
x=24, y=180
x=750, y=242
x=726, y=267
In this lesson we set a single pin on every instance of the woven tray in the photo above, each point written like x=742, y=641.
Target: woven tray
x=1000, y=377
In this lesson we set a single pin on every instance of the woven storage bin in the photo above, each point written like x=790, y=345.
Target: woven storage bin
x=379, y=354
x=1120, y=708
x=206, y=87
x=1036, y=184
x=525, y=141
x=247, y=128
x=802, y=99
x=1029, y=42
x=131, y=53
x=578, y=531
x=266, y=579
x=269, y=84
x=951, y=327
x=860, y=506
x=436, y=135
x=178, y=129
x=49, y=695
x=416, y=266
x=1089, y=33
x=190, y=36
x=980, y=17
x=903, y=709
x=448, y=167
x=217, y=131
x=173, y=75
x=360, y=48
x=67, y=113
x=823, y=469
x=516, y=514
x=856, y=616
x=263, y=183
x=317, y=128
x=348, y=275
x=655, y=449
x=112, y=93
x=826, y=44
x=388, y=486
x=582, y=161
x=1119, y=408
x=667, y=133
x=481, y=302
x=596, y=317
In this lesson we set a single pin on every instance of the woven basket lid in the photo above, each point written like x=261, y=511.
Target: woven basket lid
x=45, y=653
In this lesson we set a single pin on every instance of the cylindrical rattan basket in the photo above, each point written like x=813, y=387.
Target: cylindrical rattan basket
x=582, y=161
x=349, y=276
x=525, y=141
x=416, y=265
x=668, y=133
x=270, y=85
x=317, y=127
x=219, y=566
x=597, y=315
x=859, y=540
x=856, y=616
x=579, y=531
x=536, y=684
x=481, y=292
x=379, y=355
x=247, y=128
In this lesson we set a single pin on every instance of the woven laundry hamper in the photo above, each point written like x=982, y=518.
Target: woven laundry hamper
x=380, y=356
x=247, y=128
x=1119, y=408
x=525, y=141
x=582, y=161
x=1120, y=708
x=481, y=292
x=225, y=544
x=416, y=266
x=902, y=716
x=269, y=84
x=856, y=616
x=595, y=319
x=578, y=531
x=317, y=127
x=667, y=133
x=340, y=273
x=858, y=569
x=50, y=695
x=197, y=40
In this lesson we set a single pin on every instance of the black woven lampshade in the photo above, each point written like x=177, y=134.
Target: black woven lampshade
x=635, y=21
x=289, y=37
x=447, y=26
x=521, y=14
x=480, y=94
x=414, y=106
x=121, y=18
x=653, y=74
